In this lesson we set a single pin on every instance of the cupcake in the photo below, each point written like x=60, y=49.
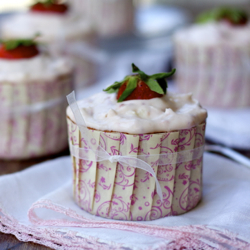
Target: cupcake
x=136, y=120
x=111, y=17
x=213, y=58
x=61, y=30
x=33, y=86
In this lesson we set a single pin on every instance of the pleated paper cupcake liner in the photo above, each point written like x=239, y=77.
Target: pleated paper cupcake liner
x=117, y=191
x=33, y=118
x=218, y=76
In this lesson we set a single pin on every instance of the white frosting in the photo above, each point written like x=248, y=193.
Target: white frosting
x=169, y=113
x=214, y=34
x=52, y=27
x=40, y=67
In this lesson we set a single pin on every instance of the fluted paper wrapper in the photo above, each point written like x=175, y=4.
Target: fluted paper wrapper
x=217, y=75
x=28, y=132
x=114, y=191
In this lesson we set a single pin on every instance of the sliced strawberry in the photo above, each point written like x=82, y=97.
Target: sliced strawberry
x=241, y=22
x=140, y=86
x=141, y=92
x=49, y=7
x=21, y=52
x=18, y=49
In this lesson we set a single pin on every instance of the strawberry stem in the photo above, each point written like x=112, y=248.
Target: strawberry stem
x=45, y=2
x=14, y=43
x=135, y=69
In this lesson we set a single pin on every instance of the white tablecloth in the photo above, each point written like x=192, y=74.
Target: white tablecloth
x=45, y=191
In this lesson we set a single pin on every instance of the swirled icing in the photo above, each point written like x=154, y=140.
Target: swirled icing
x=214, y=34
x=40, y=67
x=52, y=27
x=169, y=113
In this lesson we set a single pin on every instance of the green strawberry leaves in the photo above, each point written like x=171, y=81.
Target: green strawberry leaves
x=163, y=75
x=155, y=82
x=131, y=85
x=154, y=86
x=135, y=69
x=236, y=16
x=160, y=78
x=114, y=87
x=45, y=2
x=14, y=43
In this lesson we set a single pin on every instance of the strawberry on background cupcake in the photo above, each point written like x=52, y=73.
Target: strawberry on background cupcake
x=60, y=29
x=137, y=118
x=18, y=49
x=213, y=58
x=50, y=6
x=33, y=86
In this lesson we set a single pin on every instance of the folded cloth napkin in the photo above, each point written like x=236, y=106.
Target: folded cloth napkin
x=229, y=127
x=37, y=205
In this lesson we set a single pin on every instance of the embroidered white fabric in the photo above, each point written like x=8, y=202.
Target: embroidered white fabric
x=45, y=191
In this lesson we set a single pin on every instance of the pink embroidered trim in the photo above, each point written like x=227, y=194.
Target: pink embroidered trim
x=191, y=237
x=51, y=237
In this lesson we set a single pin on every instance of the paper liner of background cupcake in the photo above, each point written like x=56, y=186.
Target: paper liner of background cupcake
x=114, y=188
x=218, y=76
x=213, y=58
x=32, y=117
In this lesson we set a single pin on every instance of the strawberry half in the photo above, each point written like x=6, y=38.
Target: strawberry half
x=18, y=49
x=240, y=22
x=140, y=86
x=234, y=16
x=49, y=6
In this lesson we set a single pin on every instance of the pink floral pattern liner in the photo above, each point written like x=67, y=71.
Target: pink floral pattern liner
x=119, y=192
x=217, y=75
x=29, y=127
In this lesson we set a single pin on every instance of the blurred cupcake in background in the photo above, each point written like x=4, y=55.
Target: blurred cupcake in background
x=33, y=86
x=61, y=29
x=213, y=58
x=110, y=17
